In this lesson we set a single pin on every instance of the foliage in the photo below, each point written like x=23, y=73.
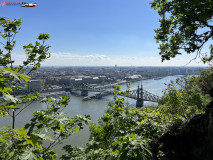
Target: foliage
x=181, y=104
x=47, y=127
x=11, y=76
x=123, y=133
x=189, y=100
x=131, y=133
x=28, y=142
x=185, y=26
x=205, y=80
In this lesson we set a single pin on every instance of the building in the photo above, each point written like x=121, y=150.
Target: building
x=34, y=85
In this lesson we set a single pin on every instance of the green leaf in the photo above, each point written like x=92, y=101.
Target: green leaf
x=76, y=130
x=35, y=141
x=10, y=72
x=43, y=36
x=10, y=98
x=29, y=156
x=24, y=77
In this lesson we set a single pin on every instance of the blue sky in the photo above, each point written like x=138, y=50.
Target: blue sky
x=92, y=32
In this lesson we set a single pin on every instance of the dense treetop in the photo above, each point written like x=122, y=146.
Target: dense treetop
x=185, y=26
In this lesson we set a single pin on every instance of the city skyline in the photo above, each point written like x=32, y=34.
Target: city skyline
x=93, y=33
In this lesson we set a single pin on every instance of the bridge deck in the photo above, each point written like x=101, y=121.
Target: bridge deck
x=134, y=94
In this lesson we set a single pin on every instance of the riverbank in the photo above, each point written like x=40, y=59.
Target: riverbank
x=54, y=94
x=104, y=86
x=44, y=95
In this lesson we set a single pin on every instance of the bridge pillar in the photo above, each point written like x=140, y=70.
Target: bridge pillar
x=84, y=93
x=139, y=103
x=67, y=89
x=98, y=96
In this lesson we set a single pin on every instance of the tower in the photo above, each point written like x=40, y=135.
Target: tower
x=139, y=102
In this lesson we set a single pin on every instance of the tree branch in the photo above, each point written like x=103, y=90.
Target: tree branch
x=24, y=108
x=53, y=143
x=2, y=43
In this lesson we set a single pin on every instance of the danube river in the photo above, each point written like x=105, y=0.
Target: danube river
x=94, y=108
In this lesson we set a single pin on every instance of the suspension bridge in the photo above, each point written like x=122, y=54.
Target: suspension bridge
x=139, y=94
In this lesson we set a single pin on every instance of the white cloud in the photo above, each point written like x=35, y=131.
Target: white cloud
x=18, y=58
x=69, y=59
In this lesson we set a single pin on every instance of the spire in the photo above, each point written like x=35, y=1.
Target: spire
x=141, y=91
x=138, y=91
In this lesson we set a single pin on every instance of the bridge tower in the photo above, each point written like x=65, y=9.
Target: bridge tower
x=139, y=102
x=84, y=91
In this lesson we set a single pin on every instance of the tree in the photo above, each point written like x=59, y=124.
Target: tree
x=186, y=107
x=50, y=124
x=183, y=104
x=123, y=133
x=205, y=80
x=12, y=76
x=185, y=26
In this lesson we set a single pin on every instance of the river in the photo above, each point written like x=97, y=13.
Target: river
x=94, y=108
